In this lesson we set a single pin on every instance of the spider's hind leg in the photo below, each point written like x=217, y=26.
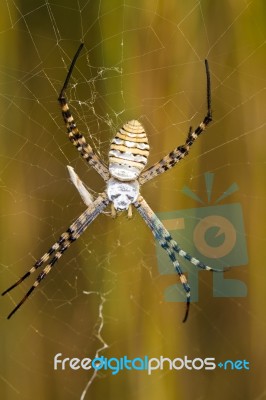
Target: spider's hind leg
x=75, y=136
x=180, y=152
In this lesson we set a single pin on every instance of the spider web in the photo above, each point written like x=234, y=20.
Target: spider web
x=142, y=60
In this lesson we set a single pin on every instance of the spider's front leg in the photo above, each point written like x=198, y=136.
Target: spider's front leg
x=165, y=240
x=74, y=135
x=171, y=159
x=169, y=245
x=49, y=259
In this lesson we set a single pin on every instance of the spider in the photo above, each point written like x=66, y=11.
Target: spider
x=125, y=174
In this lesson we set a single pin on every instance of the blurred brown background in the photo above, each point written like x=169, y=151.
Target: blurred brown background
x=142, y=60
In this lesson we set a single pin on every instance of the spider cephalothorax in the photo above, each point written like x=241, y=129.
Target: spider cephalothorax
x=128, y=156
x=122, y=195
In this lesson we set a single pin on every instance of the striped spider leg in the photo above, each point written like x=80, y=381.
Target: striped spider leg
x=74, y=135
x=49, y=259
x=170, y=246
x=171, y=159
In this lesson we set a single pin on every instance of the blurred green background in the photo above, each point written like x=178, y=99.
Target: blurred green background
x=142, y=60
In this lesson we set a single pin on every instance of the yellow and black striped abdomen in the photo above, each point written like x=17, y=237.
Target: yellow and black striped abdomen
x=129, y=152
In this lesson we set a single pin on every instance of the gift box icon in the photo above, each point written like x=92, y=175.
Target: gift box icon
x=213, y=233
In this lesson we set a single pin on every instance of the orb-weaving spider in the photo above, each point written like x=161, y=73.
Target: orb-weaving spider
x=127, y=158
